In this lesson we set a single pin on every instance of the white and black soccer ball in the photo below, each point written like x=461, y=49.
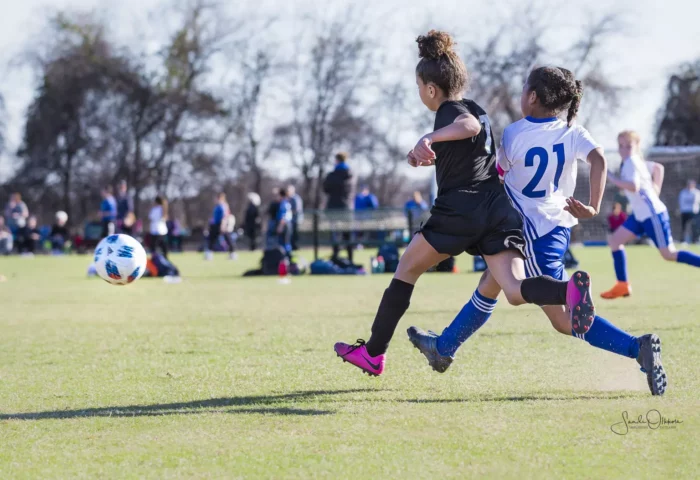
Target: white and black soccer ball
x=120, y=259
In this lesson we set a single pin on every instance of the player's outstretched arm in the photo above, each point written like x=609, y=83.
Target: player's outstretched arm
x=657, y=175
x=599, y=166
x=465, y=126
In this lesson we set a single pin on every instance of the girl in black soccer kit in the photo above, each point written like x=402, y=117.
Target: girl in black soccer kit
x=472, y=212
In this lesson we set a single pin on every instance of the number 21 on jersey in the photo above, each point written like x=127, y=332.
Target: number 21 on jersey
x=542, y=156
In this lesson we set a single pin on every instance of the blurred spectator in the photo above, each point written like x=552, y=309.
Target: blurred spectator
x=338, y=187
x=108, y=211
x=16, y=212
x=28, y=237
x=279, y=231
x=297, y=206
x=60, y=236
x=6, y=240
x=252, y=220
x=125, y=208
x=158, y=216
x=689, y=203
x=174, y=235
x=617, y=217
x=365, y=200
x=220, y=224
x=129, y=225
x=416, y=206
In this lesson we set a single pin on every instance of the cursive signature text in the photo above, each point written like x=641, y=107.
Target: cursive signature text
x=653, y=420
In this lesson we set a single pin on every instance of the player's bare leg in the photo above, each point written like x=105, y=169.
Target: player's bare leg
x=370, y=357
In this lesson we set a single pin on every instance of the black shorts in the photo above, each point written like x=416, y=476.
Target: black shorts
x=479, y=223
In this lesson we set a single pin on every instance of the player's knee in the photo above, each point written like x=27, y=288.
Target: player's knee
x=513, y=296
x=409, y=269
x=668, y=255
x=561, y=328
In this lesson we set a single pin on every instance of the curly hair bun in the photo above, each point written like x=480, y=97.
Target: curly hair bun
x=435, y=44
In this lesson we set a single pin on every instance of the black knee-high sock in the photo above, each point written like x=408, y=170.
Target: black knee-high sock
x=336, y=251
x=392, y=307
x=349, y=250
x=544, y=290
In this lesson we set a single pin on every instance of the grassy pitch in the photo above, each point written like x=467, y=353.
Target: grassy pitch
x=225, y=377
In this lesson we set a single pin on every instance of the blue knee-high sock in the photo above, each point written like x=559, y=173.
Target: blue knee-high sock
x=688, y=258
x=620, y=260
x=607, y=336
x=473, y=315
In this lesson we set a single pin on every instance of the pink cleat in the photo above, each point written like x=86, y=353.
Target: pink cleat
x=580, y=302
x=358, y=356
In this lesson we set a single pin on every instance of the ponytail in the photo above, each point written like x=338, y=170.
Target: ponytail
x=575, y=102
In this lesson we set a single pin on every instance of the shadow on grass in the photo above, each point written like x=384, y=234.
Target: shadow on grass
x=265, y=404
x=527, y=398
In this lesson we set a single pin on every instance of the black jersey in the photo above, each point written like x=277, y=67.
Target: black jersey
x=469, y=163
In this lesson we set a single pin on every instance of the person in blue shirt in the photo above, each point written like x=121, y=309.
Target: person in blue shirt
x=218, y=226
x=283, y=224
x=338, y=186
x=108, y=211
x=416, y=206
x=365, y=200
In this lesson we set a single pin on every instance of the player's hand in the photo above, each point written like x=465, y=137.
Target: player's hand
x=578, y=209
x=414, y=162
x=423, y=152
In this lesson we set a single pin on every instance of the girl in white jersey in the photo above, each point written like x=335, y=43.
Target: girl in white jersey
x=537, y=161
x=649, y=215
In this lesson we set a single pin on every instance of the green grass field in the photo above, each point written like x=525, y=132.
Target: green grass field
x=225, y=377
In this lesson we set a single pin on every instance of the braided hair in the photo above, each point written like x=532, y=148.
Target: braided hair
x=557, y=89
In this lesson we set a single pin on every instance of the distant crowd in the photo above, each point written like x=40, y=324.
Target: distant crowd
x=277, y=227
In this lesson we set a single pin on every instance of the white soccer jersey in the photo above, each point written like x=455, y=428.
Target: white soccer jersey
x=539, y=156
x=644, y=202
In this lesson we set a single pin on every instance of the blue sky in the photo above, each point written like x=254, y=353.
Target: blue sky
x=659, y=36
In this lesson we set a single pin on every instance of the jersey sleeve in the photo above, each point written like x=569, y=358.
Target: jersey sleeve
x=629, y=173
x=503, y=157
x=585, y=144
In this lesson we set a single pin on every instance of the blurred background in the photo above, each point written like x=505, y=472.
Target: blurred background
x=185, y=99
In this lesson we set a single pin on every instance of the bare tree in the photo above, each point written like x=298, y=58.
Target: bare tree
x=501, y=62
x=326, y=104
x=679, y=119
x=2, y=124
x=244, y=114
x=63, y=128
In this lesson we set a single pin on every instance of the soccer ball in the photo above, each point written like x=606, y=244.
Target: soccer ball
x=120, y=259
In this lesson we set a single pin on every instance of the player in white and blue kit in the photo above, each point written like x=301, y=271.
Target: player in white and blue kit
x=537, y=161
x=649, y=215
